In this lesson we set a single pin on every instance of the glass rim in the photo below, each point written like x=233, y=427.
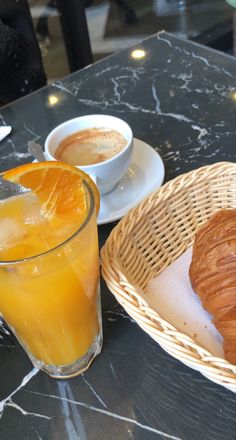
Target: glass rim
x=65, y=242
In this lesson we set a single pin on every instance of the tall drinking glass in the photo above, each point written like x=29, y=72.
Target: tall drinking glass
x=51, y=301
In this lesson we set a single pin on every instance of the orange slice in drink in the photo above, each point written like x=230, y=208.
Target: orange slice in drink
x=58, y=186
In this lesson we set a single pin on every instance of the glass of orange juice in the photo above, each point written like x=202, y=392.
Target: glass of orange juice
x=49, y=280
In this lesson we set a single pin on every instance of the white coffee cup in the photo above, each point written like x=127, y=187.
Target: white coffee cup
x=106, y=174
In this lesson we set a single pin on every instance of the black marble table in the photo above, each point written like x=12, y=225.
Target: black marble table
x=181, y=99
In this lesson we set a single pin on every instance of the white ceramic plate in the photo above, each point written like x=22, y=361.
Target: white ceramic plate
x=145, y=174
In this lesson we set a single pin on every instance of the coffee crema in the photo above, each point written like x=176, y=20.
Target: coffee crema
x=90, y=146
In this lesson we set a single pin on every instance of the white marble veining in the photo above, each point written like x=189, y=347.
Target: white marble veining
x=38, y=436
x=186, y=78
x=177, y=116
x=3, y=329
x=2, y=120
x=130, y=72
x=110, y=414
x=192, y=54
x=59, y=85
x=23, y=383
x=15, y=154
x=94, y=392
x=117, y=311
x=11, y=404
x=6, y=345
x=32, y=132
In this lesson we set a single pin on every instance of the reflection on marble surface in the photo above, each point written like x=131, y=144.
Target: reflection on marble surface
x=179, y=98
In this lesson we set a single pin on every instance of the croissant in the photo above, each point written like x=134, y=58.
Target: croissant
x=213, y=274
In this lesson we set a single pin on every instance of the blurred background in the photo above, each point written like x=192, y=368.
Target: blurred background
x=71, y=34
x=118, y=24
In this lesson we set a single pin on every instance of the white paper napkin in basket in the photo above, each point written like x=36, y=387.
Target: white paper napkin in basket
x=4, y=131
x=172, y=296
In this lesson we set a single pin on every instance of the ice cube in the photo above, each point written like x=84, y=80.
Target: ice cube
x=58, y=234
x=32, y=211
x=11, y=232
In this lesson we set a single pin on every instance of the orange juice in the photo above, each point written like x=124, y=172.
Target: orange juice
x=49, y=282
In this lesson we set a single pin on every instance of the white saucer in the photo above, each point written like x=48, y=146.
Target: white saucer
x=145, y=174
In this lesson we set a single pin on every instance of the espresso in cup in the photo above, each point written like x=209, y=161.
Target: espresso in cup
x=90, y=146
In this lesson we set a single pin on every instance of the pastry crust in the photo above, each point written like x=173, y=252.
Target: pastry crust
x=213, y=274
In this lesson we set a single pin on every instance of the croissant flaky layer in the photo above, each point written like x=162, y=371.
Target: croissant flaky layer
x=213, y=274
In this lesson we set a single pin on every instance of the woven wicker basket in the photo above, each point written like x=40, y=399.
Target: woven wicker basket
x=150, y=237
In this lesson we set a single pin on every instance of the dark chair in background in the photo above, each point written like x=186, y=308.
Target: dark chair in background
x=74, y=28
x=21, y=67
x=42, y=28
